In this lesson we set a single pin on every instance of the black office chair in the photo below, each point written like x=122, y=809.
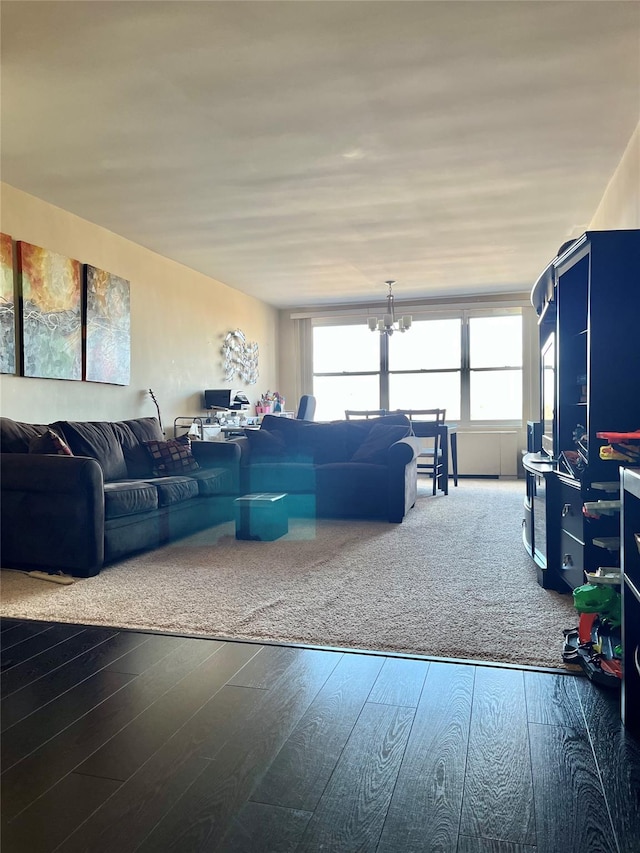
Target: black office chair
x=306, y=408
x=428, y=424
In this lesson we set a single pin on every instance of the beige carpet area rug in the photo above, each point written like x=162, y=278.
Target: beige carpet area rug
x=453, y=581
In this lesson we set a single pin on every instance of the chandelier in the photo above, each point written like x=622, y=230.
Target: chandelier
x=388, y=324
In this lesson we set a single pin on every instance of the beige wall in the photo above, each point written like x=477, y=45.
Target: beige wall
x=620, y=205
x=178, y=321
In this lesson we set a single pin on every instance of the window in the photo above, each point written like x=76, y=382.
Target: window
x=495, y=362
x=469, y=364
x=346, y=370
x=424, y=367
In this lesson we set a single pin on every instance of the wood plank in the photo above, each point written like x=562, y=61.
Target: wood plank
x=24, y=631
x=141, y=656
x=52, y=658
x=36, y=729
x=222, y=789
x=351, y=812
x=552, y=699
x=571, y=812
x=30, y=648
x=490, y=845
x=617, y=754
x=40, y=770
x=400, y=682
x=498, y=792
x=48, y=821
x=33, y=696
x=124, y=753
x=261, y=828
x=164, y=781
x=300, y=772
x=263, y=670
x=425, y=809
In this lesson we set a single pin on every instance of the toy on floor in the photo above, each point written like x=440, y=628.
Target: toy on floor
x=595, y=644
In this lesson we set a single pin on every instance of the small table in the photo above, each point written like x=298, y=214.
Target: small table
x=261, y=517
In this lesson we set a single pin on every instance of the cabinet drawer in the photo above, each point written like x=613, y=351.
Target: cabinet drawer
x=572, y=560
x=571, y=518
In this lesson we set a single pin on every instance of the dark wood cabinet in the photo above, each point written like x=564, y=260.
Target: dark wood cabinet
x=539, y=532
x=630, y=489
x=588, y=305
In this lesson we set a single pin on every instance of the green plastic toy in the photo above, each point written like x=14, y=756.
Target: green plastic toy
x=603, y=600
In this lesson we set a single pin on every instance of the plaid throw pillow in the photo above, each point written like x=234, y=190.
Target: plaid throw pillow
x=171, y=457
x=51, y=443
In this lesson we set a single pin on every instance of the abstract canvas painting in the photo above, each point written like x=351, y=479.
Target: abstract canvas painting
x=7, y=307
x=51, y=287
x=108, y=337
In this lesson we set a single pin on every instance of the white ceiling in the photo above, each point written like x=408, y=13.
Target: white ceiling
x=304, y=152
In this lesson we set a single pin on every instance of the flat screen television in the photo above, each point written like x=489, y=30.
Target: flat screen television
x=547, y=393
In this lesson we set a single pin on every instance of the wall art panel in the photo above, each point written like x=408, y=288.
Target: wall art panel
x=108, y=336
x=7, y=307
x=51, y=289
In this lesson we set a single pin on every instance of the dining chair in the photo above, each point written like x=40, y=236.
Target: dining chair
x=429, y=425
x=354, y=414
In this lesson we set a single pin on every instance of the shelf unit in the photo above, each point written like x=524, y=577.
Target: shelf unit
x=630, y=550
x=589, y=298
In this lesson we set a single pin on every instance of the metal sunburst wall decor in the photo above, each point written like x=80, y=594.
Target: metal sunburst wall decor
x=240, y=358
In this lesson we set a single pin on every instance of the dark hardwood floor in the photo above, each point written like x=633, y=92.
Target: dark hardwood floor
x=124, y=741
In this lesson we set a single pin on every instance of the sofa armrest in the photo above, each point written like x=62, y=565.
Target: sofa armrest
x=404, y=451
x=215, y=454
x=243, y=449
x=52, y=513
x=219, y=454
x=402, y=485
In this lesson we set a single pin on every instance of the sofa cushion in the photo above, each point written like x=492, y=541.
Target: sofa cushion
x=213, y=481
x=97, y=439
x=15, y=436
x=171, y=457
x=375, y=448
x=50, y=442
x=281, y=477
x=307, y=441
x=286, y=426
x=322, y=443
x=129, y=497
x=132, y=434
x=265, y=444
x=174, y=490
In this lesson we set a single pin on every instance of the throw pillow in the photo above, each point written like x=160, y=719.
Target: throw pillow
x=323, y=443
x=172, y=456
x=358, y=430
x=265, y=444
x=51, y=443
x=15, y=436
x=375, y=448
x=98, y=440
